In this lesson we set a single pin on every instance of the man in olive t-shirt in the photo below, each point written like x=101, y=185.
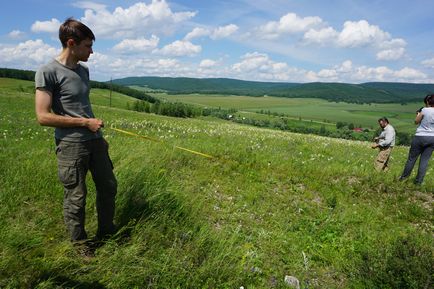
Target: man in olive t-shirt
x=62, y=101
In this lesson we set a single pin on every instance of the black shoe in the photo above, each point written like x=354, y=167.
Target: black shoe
x=104, y=236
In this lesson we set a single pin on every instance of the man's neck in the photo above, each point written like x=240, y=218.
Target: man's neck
x=66, y=59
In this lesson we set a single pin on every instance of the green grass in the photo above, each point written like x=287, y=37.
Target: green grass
x=400, y=116
x=270, y=204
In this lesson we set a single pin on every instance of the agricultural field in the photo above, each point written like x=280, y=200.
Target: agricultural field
x=366, y=115
x=269, y=204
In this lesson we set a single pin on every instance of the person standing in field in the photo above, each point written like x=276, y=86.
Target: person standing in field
x=423, y=142
x=385, y=142
x=62, y=101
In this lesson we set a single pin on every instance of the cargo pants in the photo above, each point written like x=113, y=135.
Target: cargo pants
x=381, y=162
x=74, y=160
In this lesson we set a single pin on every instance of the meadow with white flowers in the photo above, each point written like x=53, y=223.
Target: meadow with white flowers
x=269, y=204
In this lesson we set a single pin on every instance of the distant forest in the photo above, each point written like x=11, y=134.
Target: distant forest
x=371, y=92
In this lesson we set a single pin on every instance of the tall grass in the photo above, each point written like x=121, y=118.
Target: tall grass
x=270, y=204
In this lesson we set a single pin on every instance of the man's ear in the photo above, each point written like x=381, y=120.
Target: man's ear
x=70, y=42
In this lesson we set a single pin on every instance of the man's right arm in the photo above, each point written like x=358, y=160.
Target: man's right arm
x=46, y=117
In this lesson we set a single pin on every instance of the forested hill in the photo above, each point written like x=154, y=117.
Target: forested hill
x=372, y=92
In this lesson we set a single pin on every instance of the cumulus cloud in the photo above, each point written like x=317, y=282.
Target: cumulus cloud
x=224, y=31
x=252, y=61
x=288, y=24
x=407, y=73
x=89, y=5
x=197, y=32
x=392, y=43
x=428, y=63
x=28, y=55
x=16, y=34
x=322, y=36
x=252, y=66
x=207, y=63
x=347, y=72
x=104, y=66
x=259, y=66
x=217, y=33
x=51, y=26
x=139, y=19
x=137, y=45
x=391, y=54
x=361, y=33
x=330, y=74
x=180, y=48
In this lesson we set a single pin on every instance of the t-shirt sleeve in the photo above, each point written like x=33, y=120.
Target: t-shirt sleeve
x=45, y=79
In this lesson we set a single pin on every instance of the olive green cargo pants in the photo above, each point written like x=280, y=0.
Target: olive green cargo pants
x=74, y=160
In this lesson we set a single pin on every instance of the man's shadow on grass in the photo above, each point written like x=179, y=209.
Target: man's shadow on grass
x=147, y=196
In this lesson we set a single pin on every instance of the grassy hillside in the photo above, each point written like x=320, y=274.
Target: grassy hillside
x=378, y=92
x=270, y=204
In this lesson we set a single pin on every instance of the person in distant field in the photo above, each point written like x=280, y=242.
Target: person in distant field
x=62, y=101
x=423, y=142
x=385, y=142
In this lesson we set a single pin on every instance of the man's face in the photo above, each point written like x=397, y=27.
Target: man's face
x=382, y=123
x=83, y=50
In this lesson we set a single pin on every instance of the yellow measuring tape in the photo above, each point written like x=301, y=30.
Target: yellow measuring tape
x=157, y=140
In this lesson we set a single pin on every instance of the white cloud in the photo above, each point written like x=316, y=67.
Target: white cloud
x=207, y=63
x=391, y=54
x=89, y=5
x=217, y=33
x=259, y=66
x=51, y=26
x=346, y=66
x=251, y=61
x=180, y=48
x=16, y=34
x=330, y=74
x=428, y=63
x=348, y=73
x=289, y=24
x=322, y=36
x=392, y=43
x=139, y=19
x=28, y=55
x=361, y=33
x=407, y=73
x=224, y=31
x=252, y=66
x=196, y=33
x=104, y=67
x=137, y=45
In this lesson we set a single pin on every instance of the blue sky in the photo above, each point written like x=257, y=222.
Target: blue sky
x=351, y=41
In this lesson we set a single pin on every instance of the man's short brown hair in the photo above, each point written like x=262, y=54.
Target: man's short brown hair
x=383, y=119
x=74, y=29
